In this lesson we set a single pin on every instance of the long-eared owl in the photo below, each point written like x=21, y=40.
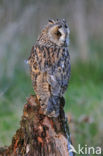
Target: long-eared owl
x=49, y=63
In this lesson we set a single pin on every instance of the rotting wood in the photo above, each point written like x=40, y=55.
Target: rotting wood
x=38, y=134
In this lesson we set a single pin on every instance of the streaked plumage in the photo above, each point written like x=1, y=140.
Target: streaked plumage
x=50, y=66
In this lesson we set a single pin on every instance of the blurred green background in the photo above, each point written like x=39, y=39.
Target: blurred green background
x=20, y=24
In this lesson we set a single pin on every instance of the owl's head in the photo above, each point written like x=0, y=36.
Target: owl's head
x=56, y=31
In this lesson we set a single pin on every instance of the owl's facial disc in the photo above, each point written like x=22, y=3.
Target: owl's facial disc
x=59, y=35
x=64, y=38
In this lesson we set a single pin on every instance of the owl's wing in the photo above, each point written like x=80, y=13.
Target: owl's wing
x=59, y=73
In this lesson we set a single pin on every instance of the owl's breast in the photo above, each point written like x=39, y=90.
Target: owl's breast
x=65, y=69
x=64, y=60
x=62, y=68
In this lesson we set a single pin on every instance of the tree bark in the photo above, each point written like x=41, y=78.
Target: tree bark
x=40, y=135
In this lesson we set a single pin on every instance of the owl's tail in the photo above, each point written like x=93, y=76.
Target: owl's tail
x=53, y=106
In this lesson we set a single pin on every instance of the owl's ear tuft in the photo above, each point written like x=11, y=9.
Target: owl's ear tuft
x=51, y=21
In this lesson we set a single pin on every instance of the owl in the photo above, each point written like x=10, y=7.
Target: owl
x=49, y=64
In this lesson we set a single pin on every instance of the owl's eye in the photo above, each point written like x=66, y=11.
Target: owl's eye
x=58, y=33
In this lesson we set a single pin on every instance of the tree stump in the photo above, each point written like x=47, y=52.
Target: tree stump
x=40, y=135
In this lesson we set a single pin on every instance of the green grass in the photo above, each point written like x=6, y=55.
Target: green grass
x=84, y=97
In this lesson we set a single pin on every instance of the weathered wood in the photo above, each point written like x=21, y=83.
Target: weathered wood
x=38, y=134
